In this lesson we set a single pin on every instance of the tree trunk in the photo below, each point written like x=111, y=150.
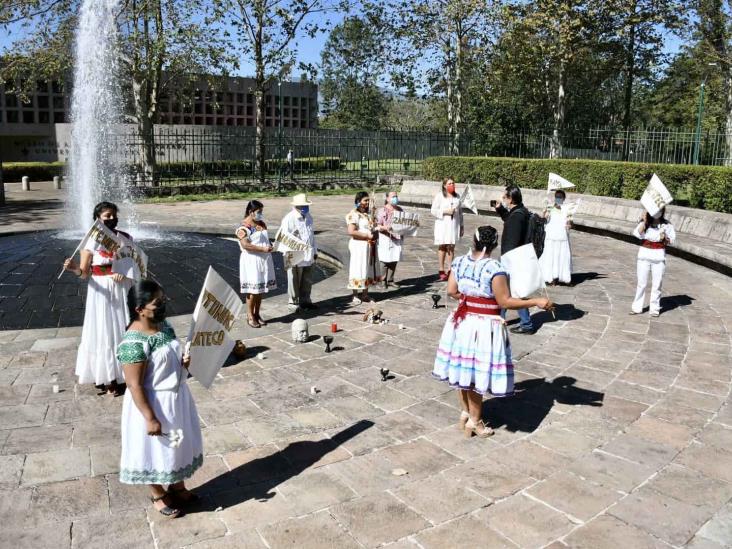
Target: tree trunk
x=458, y=93
x=259, y=82
x=449, y=83
x=728, y=121
x=145, y=133
x=555, y=147
x=629, y=76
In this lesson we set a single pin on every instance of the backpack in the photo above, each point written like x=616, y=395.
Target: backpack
x=535, y=232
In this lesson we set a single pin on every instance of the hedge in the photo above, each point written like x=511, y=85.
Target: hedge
x=707, y=187
x=13, y=172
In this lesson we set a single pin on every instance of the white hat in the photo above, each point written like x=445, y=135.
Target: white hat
x=300, y=200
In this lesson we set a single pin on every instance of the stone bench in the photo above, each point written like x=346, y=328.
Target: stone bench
x=702, y=237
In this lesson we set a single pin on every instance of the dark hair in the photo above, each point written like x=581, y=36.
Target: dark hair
x=514, y=193
x=99, y=208
x=444, y=185
x=141, y=293
x=561, y=193
x=485, y=238
x=360, y=195
x=253, y=206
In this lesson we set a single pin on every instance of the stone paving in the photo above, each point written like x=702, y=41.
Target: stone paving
x=619, y=435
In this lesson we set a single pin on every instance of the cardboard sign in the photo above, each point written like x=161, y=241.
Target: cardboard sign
x=558, y=182
x=524, y=273
x=405, y=223
x=656, y=197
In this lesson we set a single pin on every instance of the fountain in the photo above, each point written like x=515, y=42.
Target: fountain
x=95, y=169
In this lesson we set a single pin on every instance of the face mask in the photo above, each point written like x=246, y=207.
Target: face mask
x=450, y=188
x=505, y=204
x=259, y=216
x=303, y=210
x=110, y=223
x=559, y=201
x=394, y=200
x=159, y=314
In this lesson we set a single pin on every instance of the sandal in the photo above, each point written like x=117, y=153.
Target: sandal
x=166, y=511
x=253, y=323
x=478, y=428
x=184, y=496
x=464, y=417
x=261, y=321
x=356, y=301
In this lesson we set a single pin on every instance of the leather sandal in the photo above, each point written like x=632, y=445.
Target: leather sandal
x=478, y=429
x=166, y=511
x=253, y=323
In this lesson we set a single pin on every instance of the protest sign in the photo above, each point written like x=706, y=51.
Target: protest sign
x=101, y=235
x=293, y=249
x=405, y=223
x=209, y=341
x=558, y=182
x=524, y=273
x=467, y=200
x=656, y=196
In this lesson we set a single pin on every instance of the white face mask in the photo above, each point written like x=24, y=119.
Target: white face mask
x=259, y=216
x=559, y=201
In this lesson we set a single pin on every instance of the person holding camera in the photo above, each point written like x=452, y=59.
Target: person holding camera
x=362, y=248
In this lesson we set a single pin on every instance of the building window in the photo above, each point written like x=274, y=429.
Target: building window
x=57, y=87
x=12, y=117
x=11, y=101
x=198, y=109
x=43, y=117
x=29, y=117
x=286, y=100
x=240, y=98
x=58, y=103
x=295, y=102
x=250, y=98
x=59, y=117
x=187, y=120
x=199, y=120
x=286, y=123
x=250, y=111
x=42, y=101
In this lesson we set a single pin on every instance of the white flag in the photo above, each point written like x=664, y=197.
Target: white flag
x=524, y=273
x=102, y=236
x=405, y=223
x=130, y=261
x=656, y=196
x=293, y=249
x=558, y=182
x=467, y=200
x=208, y=339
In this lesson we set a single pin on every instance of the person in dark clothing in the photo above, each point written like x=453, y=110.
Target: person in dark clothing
x=515, y=225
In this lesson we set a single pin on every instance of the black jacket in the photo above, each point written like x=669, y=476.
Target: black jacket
x=515, y=226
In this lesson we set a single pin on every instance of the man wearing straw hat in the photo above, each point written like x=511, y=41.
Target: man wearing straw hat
x=299, y=223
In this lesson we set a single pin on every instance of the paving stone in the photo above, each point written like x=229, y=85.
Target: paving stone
x=468, y=531
x=525, y=521
x=257, y=465
x=710, y=461
x=719, y=528
x=690, y=486
x=55, y=344
x=440, y=498
x=56, y=465
x=608, y=532
x=661, y=431
x=640, y=450
x=403, y=426
x=574, y=496
x=38, y=538
x=662, y=516
x=11, y=468
x=500, y=483
x=249, y=539
x=186, y=530
x=315, y=490
x=221, y=439
x=104, y=460
x=374, y=520
x=311, y=532
x=252, y=508
x=127, y=529
x=611, y=471
x=125, y=497
x=419, y=458
x=531, y=459
x=72, y=499
x=37, y=439
x=564, y=441
x=24, y=415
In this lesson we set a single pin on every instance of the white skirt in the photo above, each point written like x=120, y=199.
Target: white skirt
x=361, y=265
x=390, y=251
x=105, y=322
x=150, y=460
x=447, y=230
x=556, y=261
x=256, y=273
x=476, y=355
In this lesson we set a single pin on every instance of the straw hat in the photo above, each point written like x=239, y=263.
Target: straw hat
x=300, y=200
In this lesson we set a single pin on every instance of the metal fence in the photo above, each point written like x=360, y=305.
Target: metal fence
x=196, y=155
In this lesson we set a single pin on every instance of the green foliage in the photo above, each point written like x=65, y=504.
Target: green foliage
x=13, y=172
x=706, y=187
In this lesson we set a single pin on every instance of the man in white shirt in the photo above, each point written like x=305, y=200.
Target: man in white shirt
x=299, y=223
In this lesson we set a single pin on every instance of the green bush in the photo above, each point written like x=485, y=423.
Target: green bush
x=13, y=172
x=707, y=187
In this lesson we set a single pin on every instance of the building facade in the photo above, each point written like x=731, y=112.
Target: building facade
x=36, y=130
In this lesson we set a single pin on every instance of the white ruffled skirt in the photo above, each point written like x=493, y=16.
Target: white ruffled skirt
x=105, y=322
x=151, y=460
x=556, y=261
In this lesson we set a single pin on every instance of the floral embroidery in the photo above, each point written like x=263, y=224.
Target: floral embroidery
x=129, y=476
x=132, y=347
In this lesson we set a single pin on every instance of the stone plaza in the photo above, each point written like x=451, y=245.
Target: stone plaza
x=619, y=434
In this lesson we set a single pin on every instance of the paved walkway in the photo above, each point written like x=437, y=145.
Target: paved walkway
x=620, y=434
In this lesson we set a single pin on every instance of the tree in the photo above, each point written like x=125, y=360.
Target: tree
x=351, y=65
x=435, y=43
x=266, y=32
x=163, y=45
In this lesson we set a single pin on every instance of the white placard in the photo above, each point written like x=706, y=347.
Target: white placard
x=130, y=260
x=292, y=248
x=656, y=196
x=405, y=223
x=524, y=273
x=558, y=182
x=208, y=339
x=467, y=199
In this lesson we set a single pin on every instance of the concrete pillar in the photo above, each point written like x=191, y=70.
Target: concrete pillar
x=56, y=182
x=25, y=184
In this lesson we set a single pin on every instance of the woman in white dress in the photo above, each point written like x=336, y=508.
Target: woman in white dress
x=390, y=245
x=161, y=433
x=448, y=225
x=256, y=268
x=556, y=260
x=655, y=234
x=362, y=248
x=105, y=316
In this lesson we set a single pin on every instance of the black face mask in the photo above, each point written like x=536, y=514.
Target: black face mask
x=110, y=223
x=159, y=314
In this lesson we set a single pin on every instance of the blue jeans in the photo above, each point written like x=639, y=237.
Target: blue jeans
x=524, y=318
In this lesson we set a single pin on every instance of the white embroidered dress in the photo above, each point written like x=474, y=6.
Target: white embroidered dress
x=256, y=269
x=390, y=246
x=150, y=459
x=556, y=260
x=361, y=267
x=447, y=228
x=105, y=321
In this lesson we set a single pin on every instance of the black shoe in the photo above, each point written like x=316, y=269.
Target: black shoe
x=308, y=306
x=522, y=330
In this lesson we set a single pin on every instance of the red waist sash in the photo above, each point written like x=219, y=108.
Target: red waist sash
x=102, y=270
x=653, y=245
x=475, y=305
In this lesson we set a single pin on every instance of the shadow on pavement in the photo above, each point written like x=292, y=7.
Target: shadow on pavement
x=256, y=479
x=579, y=278
x=671, y=302
x=532, y=401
